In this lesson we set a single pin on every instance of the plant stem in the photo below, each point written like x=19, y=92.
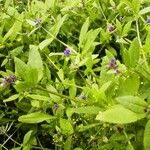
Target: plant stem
x=140, y=43
x=62, y=96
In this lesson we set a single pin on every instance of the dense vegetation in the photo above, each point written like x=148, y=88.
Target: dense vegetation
x=75, y=74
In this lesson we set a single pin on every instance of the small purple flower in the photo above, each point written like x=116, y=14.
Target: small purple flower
x=117, y=71
x=6, y=80
x=111, y=28
x=55, y=107
x=67, y=52
x=148, y=20
x=112, y=64
x=13, y=79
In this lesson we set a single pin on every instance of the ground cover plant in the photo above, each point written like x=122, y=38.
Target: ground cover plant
x=75, y=74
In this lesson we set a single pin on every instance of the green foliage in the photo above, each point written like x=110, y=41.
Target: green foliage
x=35, y=117
x=75, y=74
x=120, y=115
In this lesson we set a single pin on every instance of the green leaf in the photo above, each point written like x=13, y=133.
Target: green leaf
x=31, y=76
x=35, y=61
x=66, y=127
x=82, y=128
x=59, y=22
x=83, y=32
x=133, y=103
x=83, y=110
x=145, y=10
x=147, y=136
x=136, y=6
x=39, y=97
x=78, y=148
x=45, y=43
x=125, y=85
x=119, y=114
x=147, y=43
x=22, y=86
x=11, y=98
x=126, y=28
x=7, y=3
x=50, y=3
x=89, y=43
x=20, y=68
x=13, y=31
x=27, y=137
x=72, y=89
x=134, y=52
x=36, y=117
x=17, y=51
x=4, y=62
x=68, y=143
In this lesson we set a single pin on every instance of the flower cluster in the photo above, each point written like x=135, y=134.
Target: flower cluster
x=112, y=65
x=9, y=80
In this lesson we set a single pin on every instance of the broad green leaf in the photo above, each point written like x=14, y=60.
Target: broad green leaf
x=35, y=61
x=125, y=85
x=39, y=97
x=89, y=44
x=147, y=43
x=147, y=136
x=17, y=51
x=72, y=89
x=126, y=28
x=4, y=62
x=36, y=117
x=7, y=3
x=145, y=10
x=36, y=104
x=136, y=6
x=21, y=86
x=133, y=103
x=50, y=3
x=11, y=98
x=27, y=137
x=45, y=43
x=13, y=31
x=68, y=143
x=20, y=68
x=59, y=22
x=132, y=99
x=83, y=32
x=83, y=110
x=134, y=52
x=66, y=127
x=119, y=114
x=31, y=76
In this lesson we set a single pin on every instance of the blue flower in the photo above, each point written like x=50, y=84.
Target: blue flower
x=111, y=28
x=112, y=63
x=13, y=79
x=148, y=20
x=67, y=52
